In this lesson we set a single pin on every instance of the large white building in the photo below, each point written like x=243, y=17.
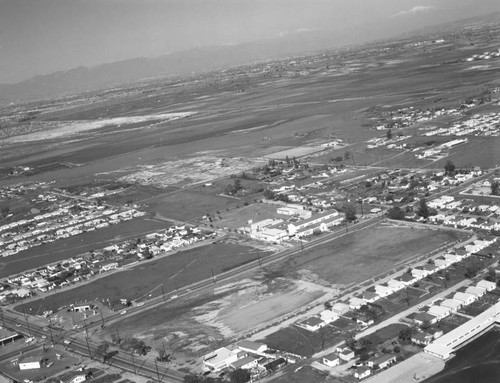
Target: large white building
x=446, y=345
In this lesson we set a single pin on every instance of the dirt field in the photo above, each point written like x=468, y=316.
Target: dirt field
x=171, y=272
x=364, y=254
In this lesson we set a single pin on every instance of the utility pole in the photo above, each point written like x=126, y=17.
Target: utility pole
x=213, y=276
x=258, y=256
x=133, y=363
x=157, y=372
x=102, y=318
x=50, y=330
x=163, y=294
x=26, y=318
x=87, y=338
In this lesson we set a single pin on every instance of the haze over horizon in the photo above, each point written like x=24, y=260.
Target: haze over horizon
x=44, y=36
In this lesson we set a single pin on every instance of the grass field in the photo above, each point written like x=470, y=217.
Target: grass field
x=367, y=253
x=171, y=272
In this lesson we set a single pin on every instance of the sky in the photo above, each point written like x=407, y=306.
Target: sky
x=45, y=36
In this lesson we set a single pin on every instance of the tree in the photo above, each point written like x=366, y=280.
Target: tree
x=351, y=342
x=102, y=351
x=350, y=212
x=472, y=269
x=347, y=155
x=396, y=213
x=495, y=187
x=389, y=134
x=405, y=335
x=449, y=168
x=423, y=209
x=239, y=376
x=491, y=275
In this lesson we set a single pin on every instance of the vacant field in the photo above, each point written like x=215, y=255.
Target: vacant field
x=71, y=247
x=146, y=279
x=367, y=253
x=302, y=342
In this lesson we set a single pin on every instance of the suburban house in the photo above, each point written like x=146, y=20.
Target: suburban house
x=362, y=372
x=440, y=312
x=312, y=324
x=487, y=285
x=346, y=354
x=383, y=291
x=356, y=303
x=381, y=361
x=477, y=291
x=331, y=360
x=328, y=316
x=395, y=285
x=464, y=298
x=451, y=304
x=422, y=338
x=420, y=318
x=340, y=308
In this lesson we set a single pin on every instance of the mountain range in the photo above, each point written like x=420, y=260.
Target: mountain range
x=215, y=57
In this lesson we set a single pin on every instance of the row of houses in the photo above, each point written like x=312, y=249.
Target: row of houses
x=255, y=357
x=61, y=223
x=375, y=363
x=314, y=323
x=82, y=268
x=441, y=309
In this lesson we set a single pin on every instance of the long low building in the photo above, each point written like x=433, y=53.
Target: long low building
x=446, y=345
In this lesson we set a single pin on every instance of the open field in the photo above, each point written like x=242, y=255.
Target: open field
x=365, y=254
x=171, y=272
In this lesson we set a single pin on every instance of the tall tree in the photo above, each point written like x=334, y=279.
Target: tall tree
x=350, y=212
x=449, y=168
x=389, y=134
x=495, y=187
x=423, y=209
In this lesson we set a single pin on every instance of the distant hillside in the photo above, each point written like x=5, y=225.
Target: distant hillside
x=213, y=57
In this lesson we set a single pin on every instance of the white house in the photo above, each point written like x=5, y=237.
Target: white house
x=252, y=347
x=383, y=291
x=312, y=324
x=356, y=303
x=362, y=372
x=331, y=360
x=439, y=312
x=477, y=291
x=328, y=316
x=451, y=304
x=487, y=285
x=340, y=308
x=465, y=298
x=346, y=354
x=395, y=285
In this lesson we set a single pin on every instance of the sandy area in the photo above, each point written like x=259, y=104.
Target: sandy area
x=254, y=304
x=187, y=171
x=67, y=128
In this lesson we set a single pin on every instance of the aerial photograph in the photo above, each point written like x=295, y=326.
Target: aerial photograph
x=231, y=191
